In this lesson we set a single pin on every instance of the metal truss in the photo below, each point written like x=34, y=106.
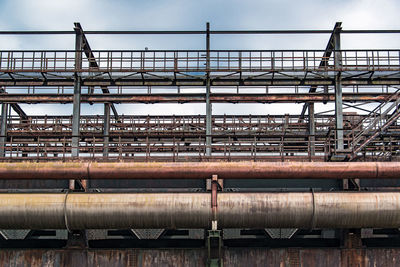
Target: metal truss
x=177, y=138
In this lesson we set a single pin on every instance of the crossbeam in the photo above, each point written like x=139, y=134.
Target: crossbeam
x=92, y=61
x=21, y=113
x=324, y=62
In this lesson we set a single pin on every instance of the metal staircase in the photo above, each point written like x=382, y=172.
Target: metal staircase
x=377, y=121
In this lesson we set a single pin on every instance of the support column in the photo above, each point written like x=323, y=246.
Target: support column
x=77, y=238
x=76, y=113
x=311, y=128
x=338, y=91
x=106, y=129
x=214, y=238
x=214, y=247
x=208, y=91
x=3, y=130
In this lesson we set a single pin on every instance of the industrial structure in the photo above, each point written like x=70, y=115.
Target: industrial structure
x=308, y=189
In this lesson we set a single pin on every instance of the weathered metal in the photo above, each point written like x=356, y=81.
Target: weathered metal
x=327, y=54
x=168, y=138
x=215, y=81
x=193, y=98
x=338, y=89
x=3, y=129
x=193, y=210
x=196, y=257
x=76, y=110
x=193, y=61
x=200, y=170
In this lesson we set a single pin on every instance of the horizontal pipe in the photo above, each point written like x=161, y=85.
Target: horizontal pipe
x=200, y=170
x=199, y=32
x=193, y=210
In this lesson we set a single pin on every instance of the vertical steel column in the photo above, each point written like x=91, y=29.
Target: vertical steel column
x=106, y=129
x=3, y=130
x=76, y=113
x=208, y=91
x=311, y=128
x=338, y=91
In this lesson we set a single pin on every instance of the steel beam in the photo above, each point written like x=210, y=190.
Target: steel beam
x=338, y=91
x=324, y=62
x=76, y=113
x=92, y=61
x=208, y=93
x=3, y=129
x=127, y=32
x=106, y=129
x=16, y=107
x=311, y=129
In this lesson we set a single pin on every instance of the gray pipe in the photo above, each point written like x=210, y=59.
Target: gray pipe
x=193, y=210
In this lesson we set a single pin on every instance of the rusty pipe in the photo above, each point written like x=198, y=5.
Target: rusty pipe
x=193, y=210
x=200, y=170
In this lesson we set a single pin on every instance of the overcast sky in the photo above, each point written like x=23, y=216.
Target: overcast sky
x=193, y=15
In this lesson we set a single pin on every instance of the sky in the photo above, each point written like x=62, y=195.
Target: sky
x=193, y=15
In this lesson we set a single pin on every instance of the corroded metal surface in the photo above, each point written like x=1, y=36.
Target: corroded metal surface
x=193, y=210
x=200, y=170
x=255, y=257
x=193, y=98
x=182, y=138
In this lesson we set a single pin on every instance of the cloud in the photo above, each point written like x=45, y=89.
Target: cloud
x=188, y=15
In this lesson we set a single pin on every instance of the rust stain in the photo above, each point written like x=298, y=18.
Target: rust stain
x=200, y=170
x=284, y=257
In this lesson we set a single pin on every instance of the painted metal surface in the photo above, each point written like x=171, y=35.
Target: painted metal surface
x=193, y=210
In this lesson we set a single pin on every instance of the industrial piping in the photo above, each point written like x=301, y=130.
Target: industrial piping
x=201, y=170
x=305, y=210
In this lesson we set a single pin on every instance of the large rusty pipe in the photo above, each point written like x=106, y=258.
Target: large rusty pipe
x=193, y=210
x=200, y=170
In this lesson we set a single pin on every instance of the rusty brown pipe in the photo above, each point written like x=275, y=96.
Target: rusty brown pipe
x=193, y=210
x=201, y=170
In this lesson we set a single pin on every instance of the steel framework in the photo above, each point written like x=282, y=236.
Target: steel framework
x=289, y=76
x=181, y=160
